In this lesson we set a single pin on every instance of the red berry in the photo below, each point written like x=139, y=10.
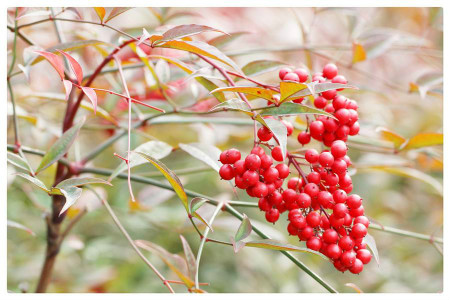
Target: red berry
x=311, y=189
x=364, y=256
x=299, y=222
x=289, y=195
x=250, y=177
x=265, y=134
x=336, y=222
x=340, y=210
x=339, y=266
x=329, y=108
x=333, y=251
x=330, y=236
x=226, y=172
x=354, y=201
x=303, y=138
x=313, y=219
x=292, y=229
x=339, y=166
x=258, y=151
x=330, y=71
x=283, y=72
x=339, y=79
x=260, y=190
x=339, y=149
x=295, y=183
x=329, y=95
x=354, y=129
x=277, y=153
x=342, y=115
x=358, y=231
x=263, y=204
x=324, y=198
x=362, y=219
x=303, y=200
x=312, y=156
x=320, y=102
x=302, y=74
x=357, y=267
x=345, y=181
x=291, y=77
x=289, y=127
x=348, y=258
x=314, y=243
x=331, y=125
x=239, y=167
x=326, y=159
x=314, y=177
x=240, y=182
x=224, y=157
x=272, y=215
x=270, y=175
x=283, y=170
x=316, y=129
x=252, y=162
x=266, y=161
x=343, y=131
x=356, y=212
x=306, y=233
x=346, y=243
x=275, y=198
x=339, y=102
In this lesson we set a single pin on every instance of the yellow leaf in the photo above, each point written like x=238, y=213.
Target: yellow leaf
x=250, y=90
x=424, y=140
x=359, y=53
x=290, y=88
x=100, y=13
x=134, y=206
x=391, y=136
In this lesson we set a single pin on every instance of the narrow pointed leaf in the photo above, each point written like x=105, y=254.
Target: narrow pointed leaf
x=18, y=161
x=116, y=11
x=313, y=88
x=71, y=193
x=170, y=176
x=67, y=88
x=359, y=53
x=208, y=154
x=355, y=287
x=370, y=242
x=424, y=140
x=223, y=40
x=244, y=229
x=14, y=224
x=60, y=147
x=391, y=136
x=34, y=181
x=155, y=149
x=54, y=60
x=100, y=13
x=181, y=31
x=92, y=96
x=145, y=35
x=201, y=48
x=279, y=131
x=290, y=109
x=196, y=203
x=279, y=246
x=288, y=88
x=233, y=104
x=190, y=258
x=258, y=92
x=78, y=181
x=259, y=67
x=74, y=65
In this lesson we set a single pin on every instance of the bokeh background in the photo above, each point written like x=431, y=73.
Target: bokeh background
x=400, y=89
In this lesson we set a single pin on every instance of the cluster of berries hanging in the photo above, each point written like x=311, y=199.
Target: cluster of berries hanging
x=321, y=210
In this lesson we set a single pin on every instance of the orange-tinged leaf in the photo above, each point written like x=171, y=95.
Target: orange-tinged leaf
x=182, y=31
x=201, y=48
x=54, y=60
x=359, y=53
x=391, y=136
x=354, y=286
x=170, y=176
x=115, y=12
x=250, y=90
x=100, y=13
x=74, y=65
x=67, y=87
x=90, y=93
x=424, y=140
x=290, y=88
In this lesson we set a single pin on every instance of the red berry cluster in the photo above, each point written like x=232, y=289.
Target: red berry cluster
x=321, y=210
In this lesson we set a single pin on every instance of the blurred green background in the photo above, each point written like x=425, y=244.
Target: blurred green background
x=403, y=54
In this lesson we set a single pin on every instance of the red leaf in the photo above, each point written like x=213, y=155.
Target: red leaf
x=74, y=65
x=92, y=96
x=54, y=60
x=67, y=87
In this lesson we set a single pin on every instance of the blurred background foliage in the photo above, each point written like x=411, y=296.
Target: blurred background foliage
x=394, y=56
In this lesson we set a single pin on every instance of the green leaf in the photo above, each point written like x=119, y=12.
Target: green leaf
x=71, y=193
x=60, y=147
x=14, y=224
x=196, y=203
x=155, y=149
x=225, y=39
x=233, y=104
x=250, y=90
x=78, y=181
x=259, y=67
x=370, y=242
x=201, y=48
x=279, y=246
x=182, y=31
x=279, y=131
x=19, y=162
x=34, y=181
x=208, y=154
x=171, y=177
x=190, y=258
x=244, y=229
x=312, y=88
x=290, y=108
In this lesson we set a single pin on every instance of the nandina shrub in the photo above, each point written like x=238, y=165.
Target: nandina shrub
x=295, y=168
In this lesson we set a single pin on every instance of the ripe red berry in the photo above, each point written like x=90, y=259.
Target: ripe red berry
x=336, y=222
x=320, y=102
x=362, y=219
x=306, y=233
x=289, y=195
x=346, y=243
x=313, y=218
x=311, y=189
x=283, y=170
x=316, y=129
x=302, y=74
x=326, y=159
x=339, y=102
x=339, y=266
x=263, y=204
x=239, y=167
x=354, y=201
x=314, y=177
x=299, y=222
x=339, y=166
x=330, y=71
x=303, y=138
x=240, y=182
x=342, y=115
x=333, y=251
x=275, y=198
x=329, y=95
x=314, y=243
x=277, y=153
x=291, y=76
x=250, y=177
x=357, y=267
x=292, y=229
x=358, y=231
x=339, y=149
x=348, y=258
x=354, y=129
x=264, y=134
x=224, y=157
x=339, y=79
x=266, y=161
x=252, y=162
x=324, y=198
x=226, y=172
x=289, y=127
x=272, y=215
x=303, y=200
x=270, y=175
x=364, y=256
x=260, y=190
x=312, y=156
x=283, y=72
x=340, y=210
x=330, y=236
x=345, y=181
